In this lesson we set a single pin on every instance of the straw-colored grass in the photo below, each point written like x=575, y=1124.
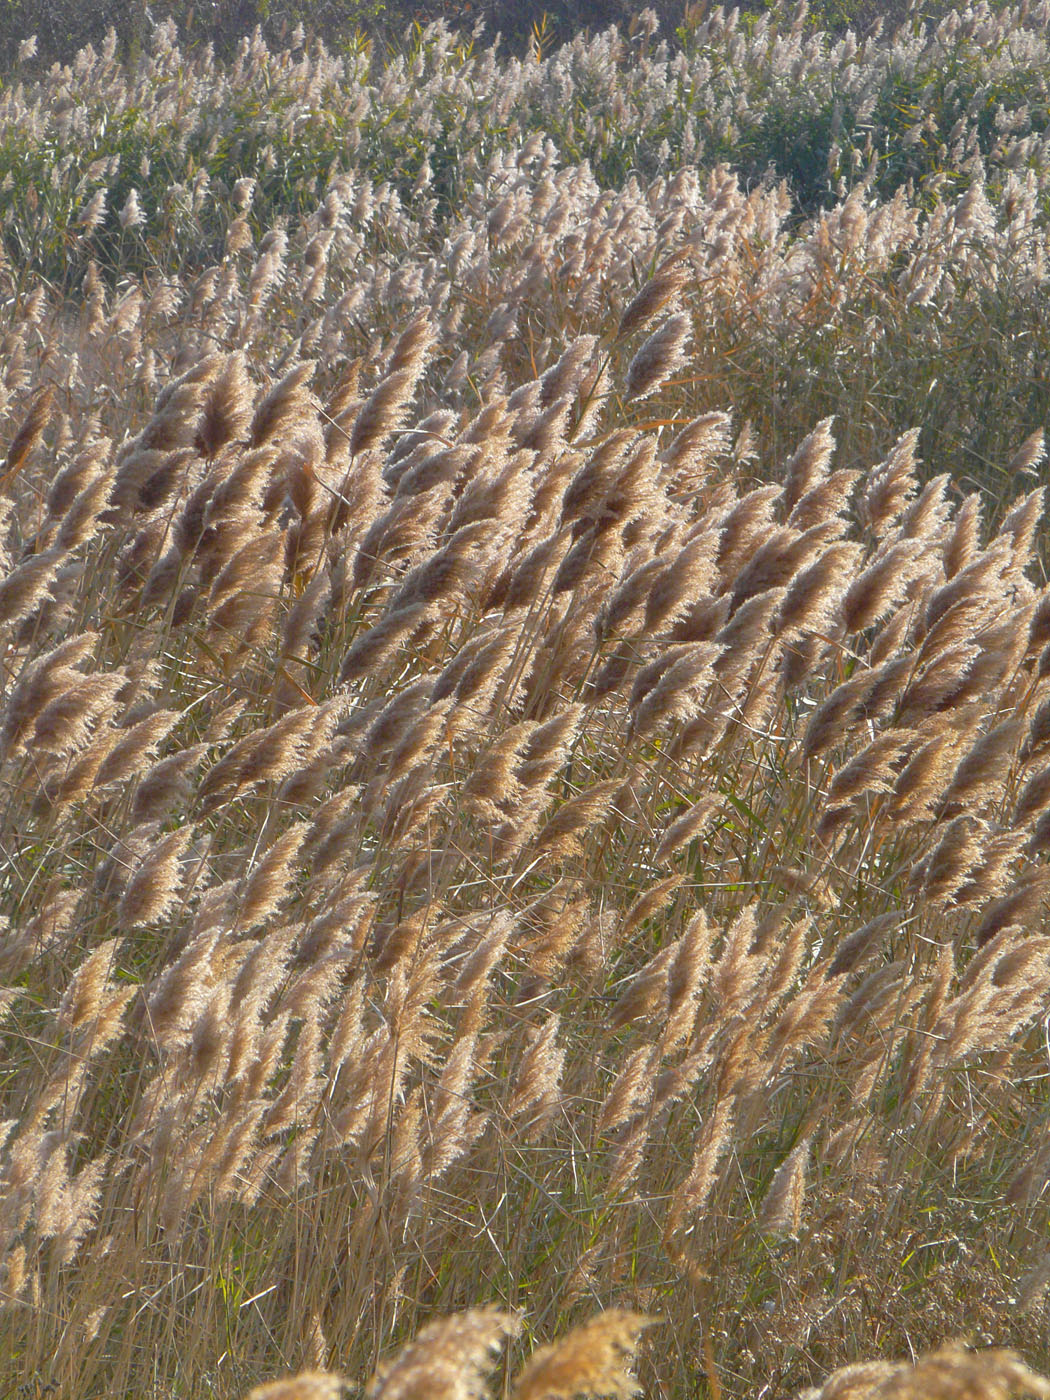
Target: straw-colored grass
x=490, y=835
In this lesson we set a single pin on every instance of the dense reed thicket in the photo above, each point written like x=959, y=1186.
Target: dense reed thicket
x=172, y=171
x=63, y=27
x=450, y=1357
x=525, y=757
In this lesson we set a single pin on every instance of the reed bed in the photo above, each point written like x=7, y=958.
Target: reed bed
x=914, y=298
x=487, y=820
x=597, y=1359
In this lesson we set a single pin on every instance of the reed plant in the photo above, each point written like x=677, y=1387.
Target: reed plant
x=517, y=804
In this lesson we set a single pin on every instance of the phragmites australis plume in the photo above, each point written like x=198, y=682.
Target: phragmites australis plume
x=659, y=357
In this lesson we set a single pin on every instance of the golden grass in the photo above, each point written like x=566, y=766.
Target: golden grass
x=479, y=835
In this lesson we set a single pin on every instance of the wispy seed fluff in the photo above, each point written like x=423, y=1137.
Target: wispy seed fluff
x=307, y=1385
x=593, y=1359
x=447, y=1360
x=661, y=288
x=384, y=410
x=662, y=354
